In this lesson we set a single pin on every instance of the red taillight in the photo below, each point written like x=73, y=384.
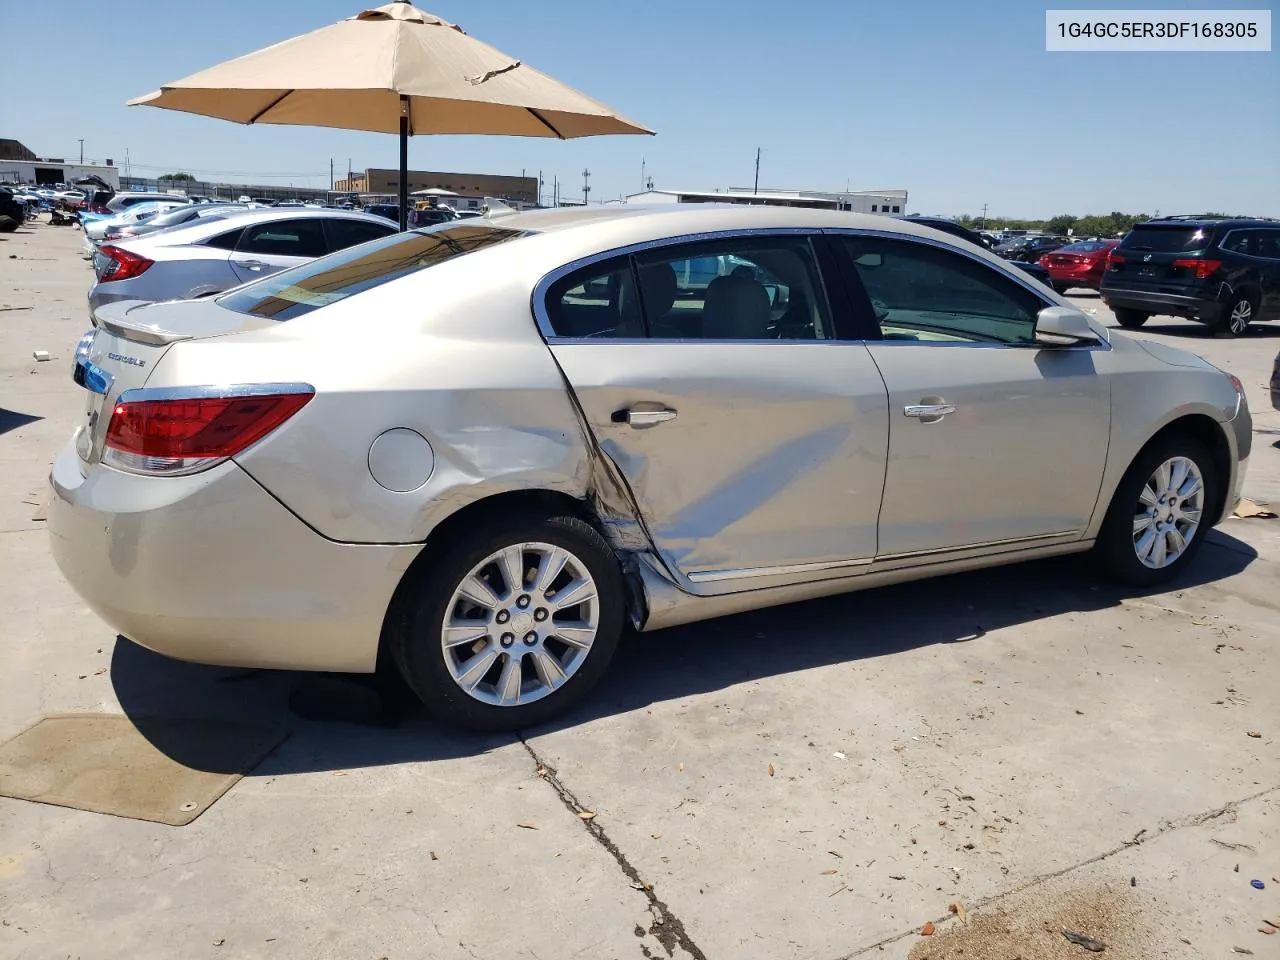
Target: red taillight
x=97, y=208
x=1203, y=268
x=1113, y=258
x=125, y=264
x=185, y=435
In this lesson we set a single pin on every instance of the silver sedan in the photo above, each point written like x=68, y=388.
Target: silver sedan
x=212, y=255
x=484, y=448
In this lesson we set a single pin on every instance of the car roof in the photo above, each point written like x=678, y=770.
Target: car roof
x=1209, y=222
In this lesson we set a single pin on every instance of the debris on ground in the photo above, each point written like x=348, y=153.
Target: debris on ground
x=1257, y=884
x=928, y=929
x=1256, y=734
x=771, y=769
x=525, y=825
x=587, y=815
x=1080, y=940
x=40, y=356
x=959, y=911
x=1253, y=509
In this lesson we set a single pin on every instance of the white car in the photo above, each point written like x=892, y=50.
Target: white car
x=96, y=231
x=211, y=256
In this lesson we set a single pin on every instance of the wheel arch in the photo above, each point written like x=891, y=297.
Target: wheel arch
x=1207, y=431
x=509, y=503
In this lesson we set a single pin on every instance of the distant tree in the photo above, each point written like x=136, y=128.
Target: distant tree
x=1060, y=224
x=179, y=176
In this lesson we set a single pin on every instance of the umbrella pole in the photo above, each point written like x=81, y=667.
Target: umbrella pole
x=404, y=162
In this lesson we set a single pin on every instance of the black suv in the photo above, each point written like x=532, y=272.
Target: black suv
x=1030, y=249
x=1224, y=273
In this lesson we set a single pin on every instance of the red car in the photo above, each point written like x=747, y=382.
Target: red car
x=1079, y=264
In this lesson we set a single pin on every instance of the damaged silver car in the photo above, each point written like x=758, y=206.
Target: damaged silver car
x=480, y=450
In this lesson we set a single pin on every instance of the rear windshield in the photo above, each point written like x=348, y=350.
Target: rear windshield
x=1171, y=239
x=318, y=283
x=1084, y=246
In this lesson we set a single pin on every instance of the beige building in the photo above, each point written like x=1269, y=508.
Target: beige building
x=463, y=184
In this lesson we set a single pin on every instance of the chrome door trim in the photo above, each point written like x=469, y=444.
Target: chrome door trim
x=539, y=298
x=982, y=545
x=1012, y=273
x=712, y=576
x=928, y=411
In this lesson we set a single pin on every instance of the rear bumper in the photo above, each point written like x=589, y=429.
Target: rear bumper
x=1168, y=304
x=212, y=569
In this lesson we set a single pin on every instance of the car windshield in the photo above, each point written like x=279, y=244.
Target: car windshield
x=293, y=293
x=1178, y=238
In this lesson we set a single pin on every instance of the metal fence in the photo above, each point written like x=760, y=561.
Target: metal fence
x=222, y=191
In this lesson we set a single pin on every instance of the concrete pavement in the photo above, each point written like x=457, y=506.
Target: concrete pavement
x=814, y=781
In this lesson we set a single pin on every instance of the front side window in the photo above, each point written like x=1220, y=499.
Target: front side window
x=741, y=289
x=310, y=286
x=1267, y=244
x=925, y=293
x=343, y=233
x=284, y=238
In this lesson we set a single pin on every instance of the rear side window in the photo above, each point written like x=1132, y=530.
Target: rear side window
x=225, y=241
x=344, y=233
x=295, y=292
x=1176, y=238
x=284, y=238
x=1266, y=244
x=597, y=301
x=1239, y=241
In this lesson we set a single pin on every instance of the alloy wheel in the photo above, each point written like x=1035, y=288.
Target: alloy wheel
x=1241, y=314
x=1168, y=512
x=520, y=624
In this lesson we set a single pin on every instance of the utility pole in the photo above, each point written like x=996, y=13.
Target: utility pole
x=757, y=186
x=331, y=174
x=538, y=200
x=586, y=185
x=984, y=216
x=642, y=179
x=555, y=191
x=82, y=151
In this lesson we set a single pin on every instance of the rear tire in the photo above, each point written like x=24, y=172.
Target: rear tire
x=1130, y=319
x=1158, y=499
x=511, y=669
x=1239, y=312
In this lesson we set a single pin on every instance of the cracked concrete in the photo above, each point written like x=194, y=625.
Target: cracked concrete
x=813, y=782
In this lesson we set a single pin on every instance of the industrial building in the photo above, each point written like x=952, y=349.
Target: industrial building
x=380, y=181
x=858, y=201
x=20, y=165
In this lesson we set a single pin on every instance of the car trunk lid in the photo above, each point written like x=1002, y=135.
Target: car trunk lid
x=129, y=338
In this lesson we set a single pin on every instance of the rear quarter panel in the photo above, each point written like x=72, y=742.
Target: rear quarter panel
x=451, y=353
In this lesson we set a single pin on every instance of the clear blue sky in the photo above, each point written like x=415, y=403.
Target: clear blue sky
x=958, y=102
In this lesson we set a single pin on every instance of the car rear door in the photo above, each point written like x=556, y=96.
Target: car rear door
x=750, y=437
x=264, y=248
x=1267, y=246
x=994, y=441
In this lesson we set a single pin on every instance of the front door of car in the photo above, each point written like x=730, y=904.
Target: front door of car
x=993, y=439
x=265, y=248
x=751, y=440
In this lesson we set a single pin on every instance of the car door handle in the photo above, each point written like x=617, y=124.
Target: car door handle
x=251, y=264
x=643, y=418
x=928, y=412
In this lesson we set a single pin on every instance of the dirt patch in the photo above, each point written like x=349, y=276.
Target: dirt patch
x=1031, y=929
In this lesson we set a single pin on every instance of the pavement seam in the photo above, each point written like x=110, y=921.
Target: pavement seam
x=1139, y=838
x=666, y=928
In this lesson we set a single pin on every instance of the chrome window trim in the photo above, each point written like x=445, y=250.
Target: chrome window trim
x=543, y=286
x=207, y=391
x=1013, y=273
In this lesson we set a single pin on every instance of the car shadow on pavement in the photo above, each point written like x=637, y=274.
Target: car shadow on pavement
x=344, y=722
x=12, y=420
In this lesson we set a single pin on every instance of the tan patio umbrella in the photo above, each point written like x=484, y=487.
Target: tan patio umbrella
x=391, y=69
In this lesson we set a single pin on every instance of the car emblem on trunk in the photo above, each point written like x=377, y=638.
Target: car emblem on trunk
x=1147, y=258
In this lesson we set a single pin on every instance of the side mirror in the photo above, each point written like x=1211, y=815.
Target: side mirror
x=1064, y=327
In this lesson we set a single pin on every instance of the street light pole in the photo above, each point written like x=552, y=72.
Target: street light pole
x=984, y=216
x=586, y=185
x=757, y=186
x=82, y=151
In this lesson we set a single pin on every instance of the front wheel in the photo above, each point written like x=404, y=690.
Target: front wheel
x=1130, y=319
x=1160, y=513
x=512, y=625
